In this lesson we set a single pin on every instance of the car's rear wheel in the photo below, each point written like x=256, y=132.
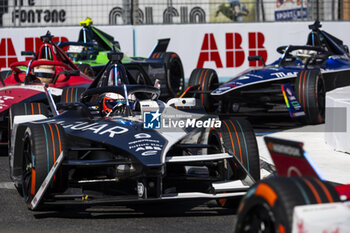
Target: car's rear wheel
x=26, y=109
x=43, y=143
x=72, y=94
x=204, y=81
x=86, y=69
x=310, y=91
x=268, y=206
x=174, y=73
x=236, y=136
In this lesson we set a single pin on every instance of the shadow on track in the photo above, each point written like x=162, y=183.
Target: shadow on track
x=168, y=209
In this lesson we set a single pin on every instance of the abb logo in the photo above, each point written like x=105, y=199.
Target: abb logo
x=235, y=54
x=7, y=50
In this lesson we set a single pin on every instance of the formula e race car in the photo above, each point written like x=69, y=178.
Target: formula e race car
x=297, y=200
x=89, y=53
x=299, y=80
x=121, y=144
x=24, y=83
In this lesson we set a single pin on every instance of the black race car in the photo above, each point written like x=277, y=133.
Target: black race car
x=297, y=82
x=116, y=142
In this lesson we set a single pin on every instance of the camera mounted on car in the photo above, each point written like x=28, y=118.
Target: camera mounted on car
x=115, y=57
x=46, y=38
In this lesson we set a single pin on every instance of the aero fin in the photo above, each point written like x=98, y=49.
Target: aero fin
x=292, y=103
x=160, y=47
x=290, y=158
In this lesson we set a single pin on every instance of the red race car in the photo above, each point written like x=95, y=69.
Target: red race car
x=298, y=199
x=50, y=69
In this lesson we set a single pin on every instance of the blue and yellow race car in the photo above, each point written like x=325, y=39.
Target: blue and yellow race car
x=299, y=79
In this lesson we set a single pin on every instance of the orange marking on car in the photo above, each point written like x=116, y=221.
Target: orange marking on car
x=204, y=77
x=59, y=138
x=67, y=95
x=53, y=144
x=325, y=190
x=200, y=79
x=300, y=81
x=222, y=201
x=281, y=228
x=183, y=94
x=266, y=192
x=31, y=104
x=304, y=90
x=318, y=199
x=32, y=187
x=71, y=95
x=233, y=147
x=39, y=109
x=239, y=144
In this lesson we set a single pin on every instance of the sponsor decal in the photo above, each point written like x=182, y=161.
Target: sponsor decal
x=292, y=103
x=3, y=98
x=235, y=54
x=284, y=149
x=284, y=75
x=291, y=14
x=142, y=135
x=96, y=128
x=151, y=120
x=145, y=146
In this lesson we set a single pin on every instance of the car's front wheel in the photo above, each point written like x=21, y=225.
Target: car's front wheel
x=268, y=206
x=235, y=136
x=43, y=143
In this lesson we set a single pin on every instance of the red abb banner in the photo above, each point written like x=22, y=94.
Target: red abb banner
x=234, y=52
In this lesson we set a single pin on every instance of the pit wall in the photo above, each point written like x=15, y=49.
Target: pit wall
x=224, y=47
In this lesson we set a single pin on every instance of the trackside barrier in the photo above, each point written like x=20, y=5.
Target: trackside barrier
x=332, y=217
x=337, y=127
x=224, y=47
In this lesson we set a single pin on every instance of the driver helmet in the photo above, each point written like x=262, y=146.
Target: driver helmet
x=113, y=100
x=45, y=73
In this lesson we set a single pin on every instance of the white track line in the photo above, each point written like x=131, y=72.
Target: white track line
x=7, y=185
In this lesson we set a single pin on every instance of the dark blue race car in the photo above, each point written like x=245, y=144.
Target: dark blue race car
x=299, y=79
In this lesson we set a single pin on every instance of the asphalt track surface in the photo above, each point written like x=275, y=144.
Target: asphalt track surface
x=164, y=217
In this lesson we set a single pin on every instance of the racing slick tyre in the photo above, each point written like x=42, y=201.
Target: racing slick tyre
x=86, y=69
x=43, y=143
x=25, y=109
x=72, y=94
x=311, y=92
x=268, y=205
x=204, y=80
x=174, y=74
x=236, y=136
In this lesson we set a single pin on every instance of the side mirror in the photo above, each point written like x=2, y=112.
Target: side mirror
x=257, y=58
x=71, y=72
x=27, y=53
x=67, y=73
x=346, y=48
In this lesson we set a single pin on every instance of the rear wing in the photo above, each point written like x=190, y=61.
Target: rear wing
x=290, y=158
x=160, y=47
